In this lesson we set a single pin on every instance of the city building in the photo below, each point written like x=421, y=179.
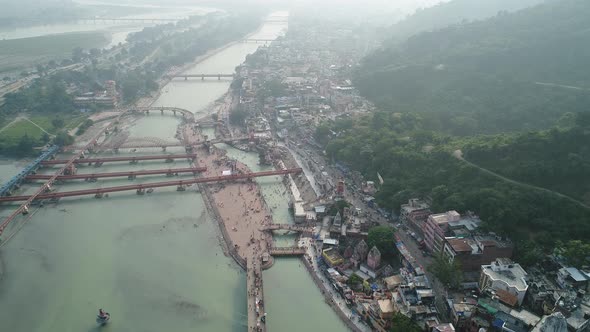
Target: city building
x=570, y=277
x=332, y=257
x=474, y=251
x=374, y=258
x=414, y=213
x=505, y=280
x=449, y=224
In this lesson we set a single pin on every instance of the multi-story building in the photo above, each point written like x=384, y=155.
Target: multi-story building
x=474, y=251
x=504, y=279
x=414, y=213
x=449, y=224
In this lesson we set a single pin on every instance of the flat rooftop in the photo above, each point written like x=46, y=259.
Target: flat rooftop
x=512, y=274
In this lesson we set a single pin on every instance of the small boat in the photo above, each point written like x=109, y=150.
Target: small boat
x=103, y=320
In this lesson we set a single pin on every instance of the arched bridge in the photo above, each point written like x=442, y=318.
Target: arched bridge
x=188, y=115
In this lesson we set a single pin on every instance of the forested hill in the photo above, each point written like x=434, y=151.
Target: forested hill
x=453, y=12
x=556, y=159
x=483, y=77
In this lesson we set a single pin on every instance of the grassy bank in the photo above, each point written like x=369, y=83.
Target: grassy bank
x=11, y=135
x=18, y=54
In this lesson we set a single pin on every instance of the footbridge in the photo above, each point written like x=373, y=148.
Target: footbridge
x=259, y=40
x=288, y=251
x=24, y=208
x=288, y=227
x=141, y=188
x=131, y=159
x=129, y=175
x=139, y=142
x=202, y=76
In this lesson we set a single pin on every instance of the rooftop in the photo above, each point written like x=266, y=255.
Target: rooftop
x=444, y=218
x=386, y=306
x=508, y=272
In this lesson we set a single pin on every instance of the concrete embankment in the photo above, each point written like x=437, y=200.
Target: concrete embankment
x=228, y=245
x=328, y=298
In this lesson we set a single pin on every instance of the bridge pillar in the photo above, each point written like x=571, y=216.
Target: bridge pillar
x=219, y=77
x=186, y=78
x=174, y=112
x=162, y=112
x=202, y=77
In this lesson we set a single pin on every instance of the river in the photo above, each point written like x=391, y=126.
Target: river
x=154, y=261
x=117, y=30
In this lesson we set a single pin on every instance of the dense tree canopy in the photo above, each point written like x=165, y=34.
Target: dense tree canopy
x=382, y=238
x=482, y=77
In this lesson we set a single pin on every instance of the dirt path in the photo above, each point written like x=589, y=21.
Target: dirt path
x=459, y=155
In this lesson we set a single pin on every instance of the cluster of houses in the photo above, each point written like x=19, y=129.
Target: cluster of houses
x=496, y=293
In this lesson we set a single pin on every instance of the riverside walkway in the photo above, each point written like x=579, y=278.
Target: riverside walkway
x=255, y=296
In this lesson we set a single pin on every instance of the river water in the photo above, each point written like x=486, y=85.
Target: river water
x=154, y=261
x=117, y=30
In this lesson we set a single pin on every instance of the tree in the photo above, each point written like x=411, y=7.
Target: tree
x=58, y=123
x=40, y=69
x=382, y=238
x=448, y=272
x=354, y=280
x=322, y=133
x=576, y=252
x=45, y=138
x=63, y=139
x=25, y=146
x=77, y=54
x=237, y=117
x=402, y=323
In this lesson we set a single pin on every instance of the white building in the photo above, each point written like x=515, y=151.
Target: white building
x=505, y=279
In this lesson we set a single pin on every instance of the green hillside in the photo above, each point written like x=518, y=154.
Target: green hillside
x=488, y=76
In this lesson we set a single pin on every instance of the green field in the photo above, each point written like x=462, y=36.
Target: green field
x=12, y=134
x=18, y=54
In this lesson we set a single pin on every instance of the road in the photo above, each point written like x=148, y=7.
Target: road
x=459, y=155
x=356, y=198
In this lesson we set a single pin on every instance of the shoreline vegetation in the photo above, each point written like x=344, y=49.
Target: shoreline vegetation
x=23, y=53
x=156, y=49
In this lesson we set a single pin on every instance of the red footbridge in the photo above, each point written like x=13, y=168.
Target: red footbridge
x=130, y=175
x=140, y=188
x=131, y=159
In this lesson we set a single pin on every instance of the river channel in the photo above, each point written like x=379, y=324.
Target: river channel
x=153, y=261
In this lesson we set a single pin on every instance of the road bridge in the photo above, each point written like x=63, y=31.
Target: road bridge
x=131, y=159
x=15, y=181
x=129, y=175
x=140, y=188
x=287, y=251
x=202, y=76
